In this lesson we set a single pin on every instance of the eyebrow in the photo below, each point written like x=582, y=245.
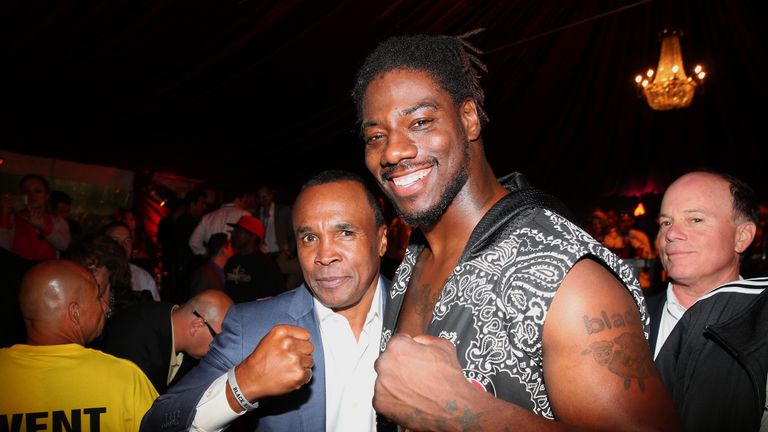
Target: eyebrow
x=341, y=226
x=404, y=112
x=345, y=226
x=685, y=212
x=303, y=229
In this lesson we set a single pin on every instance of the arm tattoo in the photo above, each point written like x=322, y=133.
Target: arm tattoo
x=606, y=321
x=625, y=356
x=467, y=421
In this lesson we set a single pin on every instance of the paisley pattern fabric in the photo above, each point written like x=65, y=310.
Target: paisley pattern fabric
x=494, y=304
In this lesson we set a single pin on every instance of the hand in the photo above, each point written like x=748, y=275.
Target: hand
x=37, y=218
x=280, y=364
x=418, y=379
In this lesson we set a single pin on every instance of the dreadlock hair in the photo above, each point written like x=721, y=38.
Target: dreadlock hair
x=450, y=60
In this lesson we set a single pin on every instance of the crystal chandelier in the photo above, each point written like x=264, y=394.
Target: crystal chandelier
x=669, y=88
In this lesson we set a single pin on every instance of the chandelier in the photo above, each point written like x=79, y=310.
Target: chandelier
x=668, y=87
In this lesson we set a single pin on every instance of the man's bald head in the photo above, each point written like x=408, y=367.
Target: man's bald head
x=197, y=321
x=213, y=305
x=60, y=304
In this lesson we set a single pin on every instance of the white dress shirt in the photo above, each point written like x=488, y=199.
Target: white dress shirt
x=671, y=313
x=212, y=223
x=141, y=280
x=349, y=375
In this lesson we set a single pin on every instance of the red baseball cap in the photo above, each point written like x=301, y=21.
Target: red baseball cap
x=251, y=224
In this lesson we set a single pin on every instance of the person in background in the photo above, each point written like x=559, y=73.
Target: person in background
x=631, y=242
x=61, y=205
x=142, y=253
x=211, y=276
x=163, y=339
x=218, y=220
x=28, y=228
x=185, y=260
x=706, y=221
x=141, y=280
x=251, y=274
x=53, y=382
x=279, y=242
x=107, y=261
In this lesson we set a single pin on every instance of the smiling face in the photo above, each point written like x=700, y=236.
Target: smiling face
x=417, y=147
x=699, y=237
x=339, y=245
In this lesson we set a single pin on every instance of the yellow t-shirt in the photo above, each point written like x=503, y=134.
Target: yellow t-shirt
x=70, y=387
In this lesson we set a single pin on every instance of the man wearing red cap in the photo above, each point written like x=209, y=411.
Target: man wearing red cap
x=250, y=274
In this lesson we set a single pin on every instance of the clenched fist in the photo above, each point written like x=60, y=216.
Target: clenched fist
x=280, y=364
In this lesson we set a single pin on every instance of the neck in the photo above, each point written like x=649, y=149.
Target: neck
x=42, y=334
x=688, y=293
x=357, y=314
x=450, y=234
x=178, y=330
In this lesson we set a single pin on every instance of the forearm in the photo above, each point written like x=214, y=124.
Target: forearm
x=468, y=409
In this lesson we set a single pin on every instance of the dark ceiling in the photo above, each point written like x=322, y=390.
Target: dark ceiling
x=253, y=91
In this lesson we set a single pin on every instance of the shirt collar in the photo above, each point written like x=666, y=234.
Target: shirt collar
x=673, y=305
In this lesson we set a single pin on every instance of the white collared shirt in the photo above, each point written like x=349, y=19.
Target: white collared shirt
x=349, y=375
x=671, y=313
x=176, y=357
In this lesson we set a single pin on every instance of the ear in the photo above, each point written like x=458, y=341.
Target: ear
x=745, y=233
x=195, y=326
x=382, y=233
x=470, y=119
x=74, y=313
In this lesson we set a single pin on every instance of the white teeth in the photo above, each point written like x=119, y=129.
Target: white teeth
x=410, y=178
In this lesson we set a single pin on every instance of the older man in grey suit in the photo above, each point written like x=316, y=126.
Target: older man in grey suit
x=302, y=360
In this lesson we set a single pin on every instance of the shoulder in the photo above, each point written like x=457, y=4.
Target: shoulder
x=281, y=304
x=139, y=272
x=727, y=300
x=116, y=366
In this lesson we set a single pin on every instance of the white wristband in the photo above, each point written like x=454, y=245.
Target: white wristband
x=238, y=394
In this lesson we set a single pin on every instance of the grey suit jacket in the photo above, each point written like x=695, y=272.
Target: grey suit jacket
x=243, y=328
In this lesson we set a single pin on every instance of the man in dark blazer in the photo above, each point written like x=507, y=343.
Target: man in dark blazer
x=163, y=339
x=271, y=357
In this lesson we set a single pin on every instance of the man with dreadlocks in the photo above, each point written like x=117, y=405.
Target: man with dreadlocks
x=503, y=314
